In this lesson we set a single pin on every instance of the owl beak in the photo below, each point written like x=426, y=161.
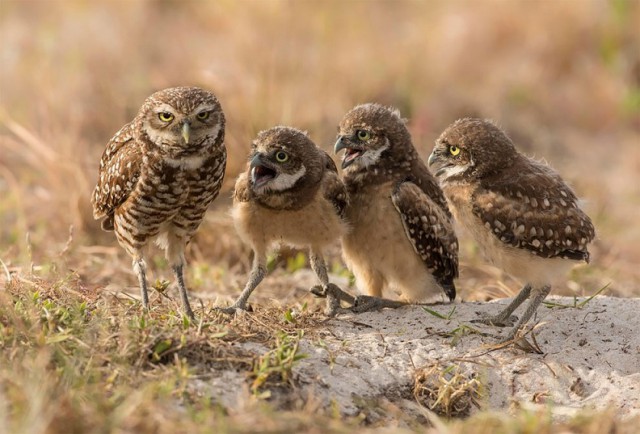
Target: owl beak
x=351, y=152
x=340, y=145
x=256, y=161
x=186, y=130
x=432, y=158
x=260, y=170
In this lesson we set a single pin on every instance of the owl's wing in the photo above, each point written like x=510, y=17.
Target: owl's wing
x=241, y=191
x=119, y=173
x=429, y=229
x=332, y=187
x=536, y=211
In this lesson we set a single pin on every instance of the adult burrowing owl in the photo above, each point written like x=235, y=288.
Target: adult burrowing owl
x=523, y=215
x=402, y=235
x=158, y=175
x=289, y=194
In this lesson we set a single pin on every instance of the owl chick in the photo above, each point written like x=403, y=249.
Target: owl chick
x=159, y=174
x=290, y=194
x=522, y=214
x=402, y=236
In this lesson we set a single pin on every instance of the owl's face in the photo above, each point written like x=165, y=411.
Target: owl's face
x=470, y=149
x=183, y=121
x=368, y=134
x=282, y=159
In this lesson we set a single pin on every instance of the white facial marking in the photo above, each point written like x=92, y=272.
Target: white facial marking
x=371, y=157
x=448, y=172
x=283, y=181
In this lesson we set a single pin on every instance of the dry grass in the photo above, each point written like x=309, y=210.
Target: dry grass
x=447, y=390
x=562, y=77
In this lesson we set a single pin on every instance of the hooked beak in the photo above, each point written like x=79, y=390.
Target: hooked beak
x=186, y=130
x=340, y=145
x=351, y=152
x=432, y=158
x=261, y=171
x=436, y=165
x=256, y=161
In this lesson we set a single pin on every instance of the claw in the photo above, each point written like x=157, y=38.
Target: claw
x=234, y=310
x=496, y=321
x=318, y=291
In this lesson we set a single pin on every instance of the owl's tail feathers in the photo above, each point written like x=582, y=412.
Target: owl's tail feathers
x=449, y=288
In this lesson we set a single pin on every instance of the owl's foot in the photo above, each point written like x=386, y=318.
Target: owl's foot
x=332, y=290
x=366, y=303
x=497, y=321
x=334, y=296
x=234, y=309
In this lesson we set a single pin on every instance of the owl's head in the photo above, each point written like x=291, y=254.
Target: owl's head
x=182, y=121
x=369, y=133
x=471, y=149
x=284, y=160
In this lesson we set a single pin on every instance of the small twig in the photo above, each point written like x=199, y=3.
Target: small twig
x=67, y=246
x=583, y=303
x=6, y=270
x=30, y=252
x=438, y=314
x=576, y=305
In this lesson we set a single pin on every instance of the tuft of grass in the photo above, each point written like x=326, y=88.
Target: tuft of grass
x=275, y=367
x=461, y=331
x=576, y=304
x=448, y=391
x=438, y=314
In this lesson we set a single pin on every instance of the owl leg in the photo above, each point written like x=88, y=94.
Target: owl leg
x=258, y=271
x=140, y=268
x=178, y=271
x=504, y=318
x=538, y=297
x=333, y=293
x=175, y=255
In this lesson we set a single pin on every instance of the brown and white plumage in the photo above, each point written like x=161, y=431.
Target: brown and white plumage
x=402, y=236
x=289, y=194
x=159, y=174
x=525, y=218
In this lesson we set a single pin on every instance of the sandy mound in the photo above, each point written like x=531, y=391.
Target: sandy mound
x=590, y=359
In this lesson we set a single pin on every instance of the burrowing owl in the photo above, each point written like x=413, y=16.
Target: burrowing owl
x=402, y=235
x=159, y=173
x=289, y=194
x=523, y=215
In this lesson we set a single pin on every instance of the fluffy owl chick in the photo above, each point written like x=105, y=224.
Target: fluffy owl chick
x=401, y=234
x=290, y=194
x=522, y=214
x=158, y=175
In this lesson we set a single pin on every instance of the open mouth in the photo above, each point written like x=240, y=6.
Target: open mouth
x=350, y=154
x=260, y=175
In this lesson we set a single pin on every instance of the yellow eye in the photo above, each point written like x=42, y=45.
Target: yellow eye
x=165, y=117
x=363, y=135
x=203, y=116
x=281, y=156
x=454, y=150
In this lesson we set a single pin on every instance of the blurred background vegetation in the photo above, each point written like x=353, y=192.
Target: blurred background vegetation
x=561, y=77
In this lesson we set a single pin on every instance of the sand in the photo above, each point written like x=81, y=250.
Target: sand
x=590, y=358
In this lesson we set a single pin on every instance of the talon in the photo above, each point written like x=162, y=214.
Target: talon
x=495, y=321
x=234, y=310
x=318, y=291
x=366, y=303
